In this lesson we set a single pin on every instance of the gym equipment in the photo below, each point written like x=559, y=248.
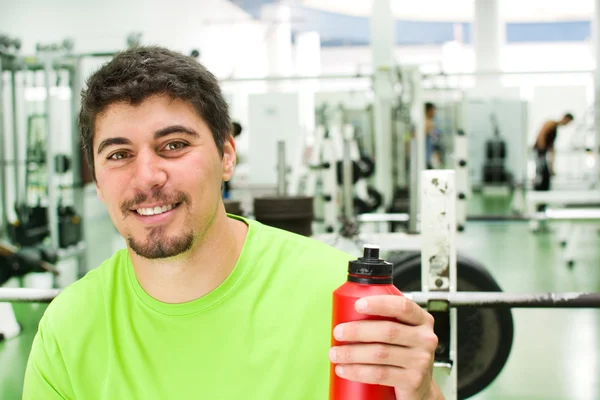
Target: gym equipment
x=291, y=213
x=31, y=226
x=15, y=262
x=494, y=171
x=69, y=227
x=363, y=168
x=66, y=45
x=233, y=207
x=372, y=203
x=458, y=300
x=461, y=166
x=9, y=44
x=484, y=335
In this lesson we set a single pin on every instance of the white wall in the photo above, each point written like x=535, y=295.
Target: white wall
x=564, y=56
x=229, y=40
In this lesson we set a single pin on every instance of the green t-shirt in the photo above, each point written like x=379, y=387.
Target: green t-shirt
x=263, y=334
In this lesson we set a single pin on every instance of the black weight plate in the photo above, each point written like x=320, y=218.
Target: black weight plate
x=367, y=167
x=495, y=149
x=233, y=207
x=356, y=172
x=293, y=214
x=283, y=205
x=485, y=335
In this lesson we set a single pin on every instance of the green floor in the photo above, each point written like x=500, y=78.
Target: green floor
x=555, y=354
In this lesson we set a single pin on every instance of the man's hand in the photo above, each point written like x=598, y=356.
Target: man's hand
x=396, y=353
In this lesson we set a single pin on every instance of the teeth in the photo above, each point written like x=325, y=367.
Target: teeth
x=154, y=211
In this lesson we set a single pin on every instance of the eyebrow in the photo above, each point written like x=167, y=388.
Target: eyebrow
x=175, y=129
x=157, y=135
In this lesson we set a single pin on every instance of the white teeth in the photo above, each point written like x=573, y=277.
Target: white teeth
x=154, y=211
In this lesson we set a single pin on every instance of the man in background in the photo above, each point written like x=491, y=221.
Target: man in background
x=432, y=137
x=544, y=151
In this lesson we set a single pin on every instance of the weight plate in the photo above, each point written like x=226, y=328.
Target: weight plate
x=485, y=335
x=367, y=167
x=293, y=214
x=292, y=205
x=233, y=207
x=356, y=172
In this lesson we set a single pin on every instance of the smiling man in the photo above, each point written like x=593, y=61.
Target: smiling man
x=201, y=304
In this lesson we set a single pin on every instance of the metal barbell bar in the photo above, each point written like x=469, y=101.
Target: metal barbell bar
x=508, y=300
x=453, y=299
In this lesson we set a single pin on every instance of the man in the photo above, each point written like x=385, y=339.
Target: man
x=544, y=152
x=431, y=137
x=202, y=305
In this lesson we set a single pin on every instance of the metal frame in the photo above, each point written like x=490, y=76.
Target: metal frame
x=438, y=262
x=3, y=180
x=453, y=299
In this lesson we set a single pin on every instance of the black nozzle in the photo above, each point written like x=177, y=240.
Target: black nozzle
x=371, y=252
x=370, y=268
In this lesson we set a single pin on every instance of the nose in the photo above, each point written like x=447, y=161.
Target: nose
x=149, y=172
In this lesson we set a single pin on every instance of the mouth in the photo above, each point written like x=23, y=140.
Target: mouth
x=156, y=210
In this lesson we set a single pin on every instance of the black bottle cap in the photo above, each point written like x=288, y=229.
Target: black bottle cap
x=370, y=264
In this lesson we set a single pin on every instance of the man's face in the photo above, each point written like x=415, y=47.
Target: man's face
x=565, y=121
x=159, y=172
x=431, y=112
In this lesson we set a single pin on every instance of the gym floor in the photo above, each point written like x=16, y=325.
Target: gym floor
x=555, y=353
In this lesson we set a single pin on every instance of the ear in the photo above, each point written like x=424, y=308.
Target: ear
x=229, y=158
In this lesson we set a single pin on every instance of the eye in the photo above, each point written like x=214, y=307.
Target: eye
x=173, y=146
x=119, y=155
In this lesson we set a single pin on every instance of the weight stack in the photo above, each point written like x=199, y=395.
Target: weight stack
x=461, y=152
x=293, y=213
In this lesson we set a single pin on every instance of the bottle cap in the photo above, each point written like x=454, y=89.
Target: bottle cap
x=370, y=264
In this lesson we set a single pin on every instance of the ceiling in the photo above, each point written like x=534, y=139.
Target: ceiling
x=463, y=10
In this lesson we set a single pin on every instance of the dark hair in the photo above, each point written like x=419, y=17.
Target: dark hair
x=429, y=107
x=237, y=129
x=569, y=116
x=140, y=72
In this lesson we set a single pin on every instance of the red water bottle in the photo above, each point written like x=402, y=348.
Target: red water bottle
x=367, y=276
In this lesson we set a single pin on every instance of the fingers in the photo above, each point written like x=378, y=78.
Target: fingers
x=381, y=354
x=389, y=332
x=399, y=307
x=402, y=379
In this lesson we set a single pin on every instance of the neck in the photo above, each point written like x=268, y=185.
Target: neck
x=197, y=272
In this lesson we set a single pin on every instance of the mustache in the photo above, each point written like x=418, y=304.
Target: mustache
x=159, y=197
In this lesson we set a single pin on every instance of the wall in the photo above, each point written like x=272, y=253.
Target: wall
x=516, y=57
x=229, y=40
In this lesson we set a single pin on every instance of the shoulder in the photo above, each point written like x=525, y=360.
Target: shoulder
x=82, y=301
x=300, y=253
x=290, y=243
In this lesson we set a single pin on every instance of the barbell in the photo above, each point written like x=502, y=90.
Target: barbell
x=507, y=300
x=453, y=299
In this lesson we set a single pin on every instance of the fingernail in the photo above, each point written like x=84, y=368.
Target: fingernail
x=338, y=332
x=339, y=370
x=332, y=355
x=361, y=305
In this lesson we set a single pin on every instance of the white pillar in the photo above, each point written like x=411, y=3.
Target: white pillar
x=597, y=82
x=382, y=47
x=489, y=37
x=278, y=40
x=308, y=63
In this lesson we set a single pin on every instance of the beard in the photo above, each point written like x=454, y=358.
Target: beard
x=157, y=244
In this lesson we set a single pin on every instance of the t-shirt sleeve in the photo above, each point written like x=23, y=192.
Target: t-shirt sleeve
x=46, y=374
